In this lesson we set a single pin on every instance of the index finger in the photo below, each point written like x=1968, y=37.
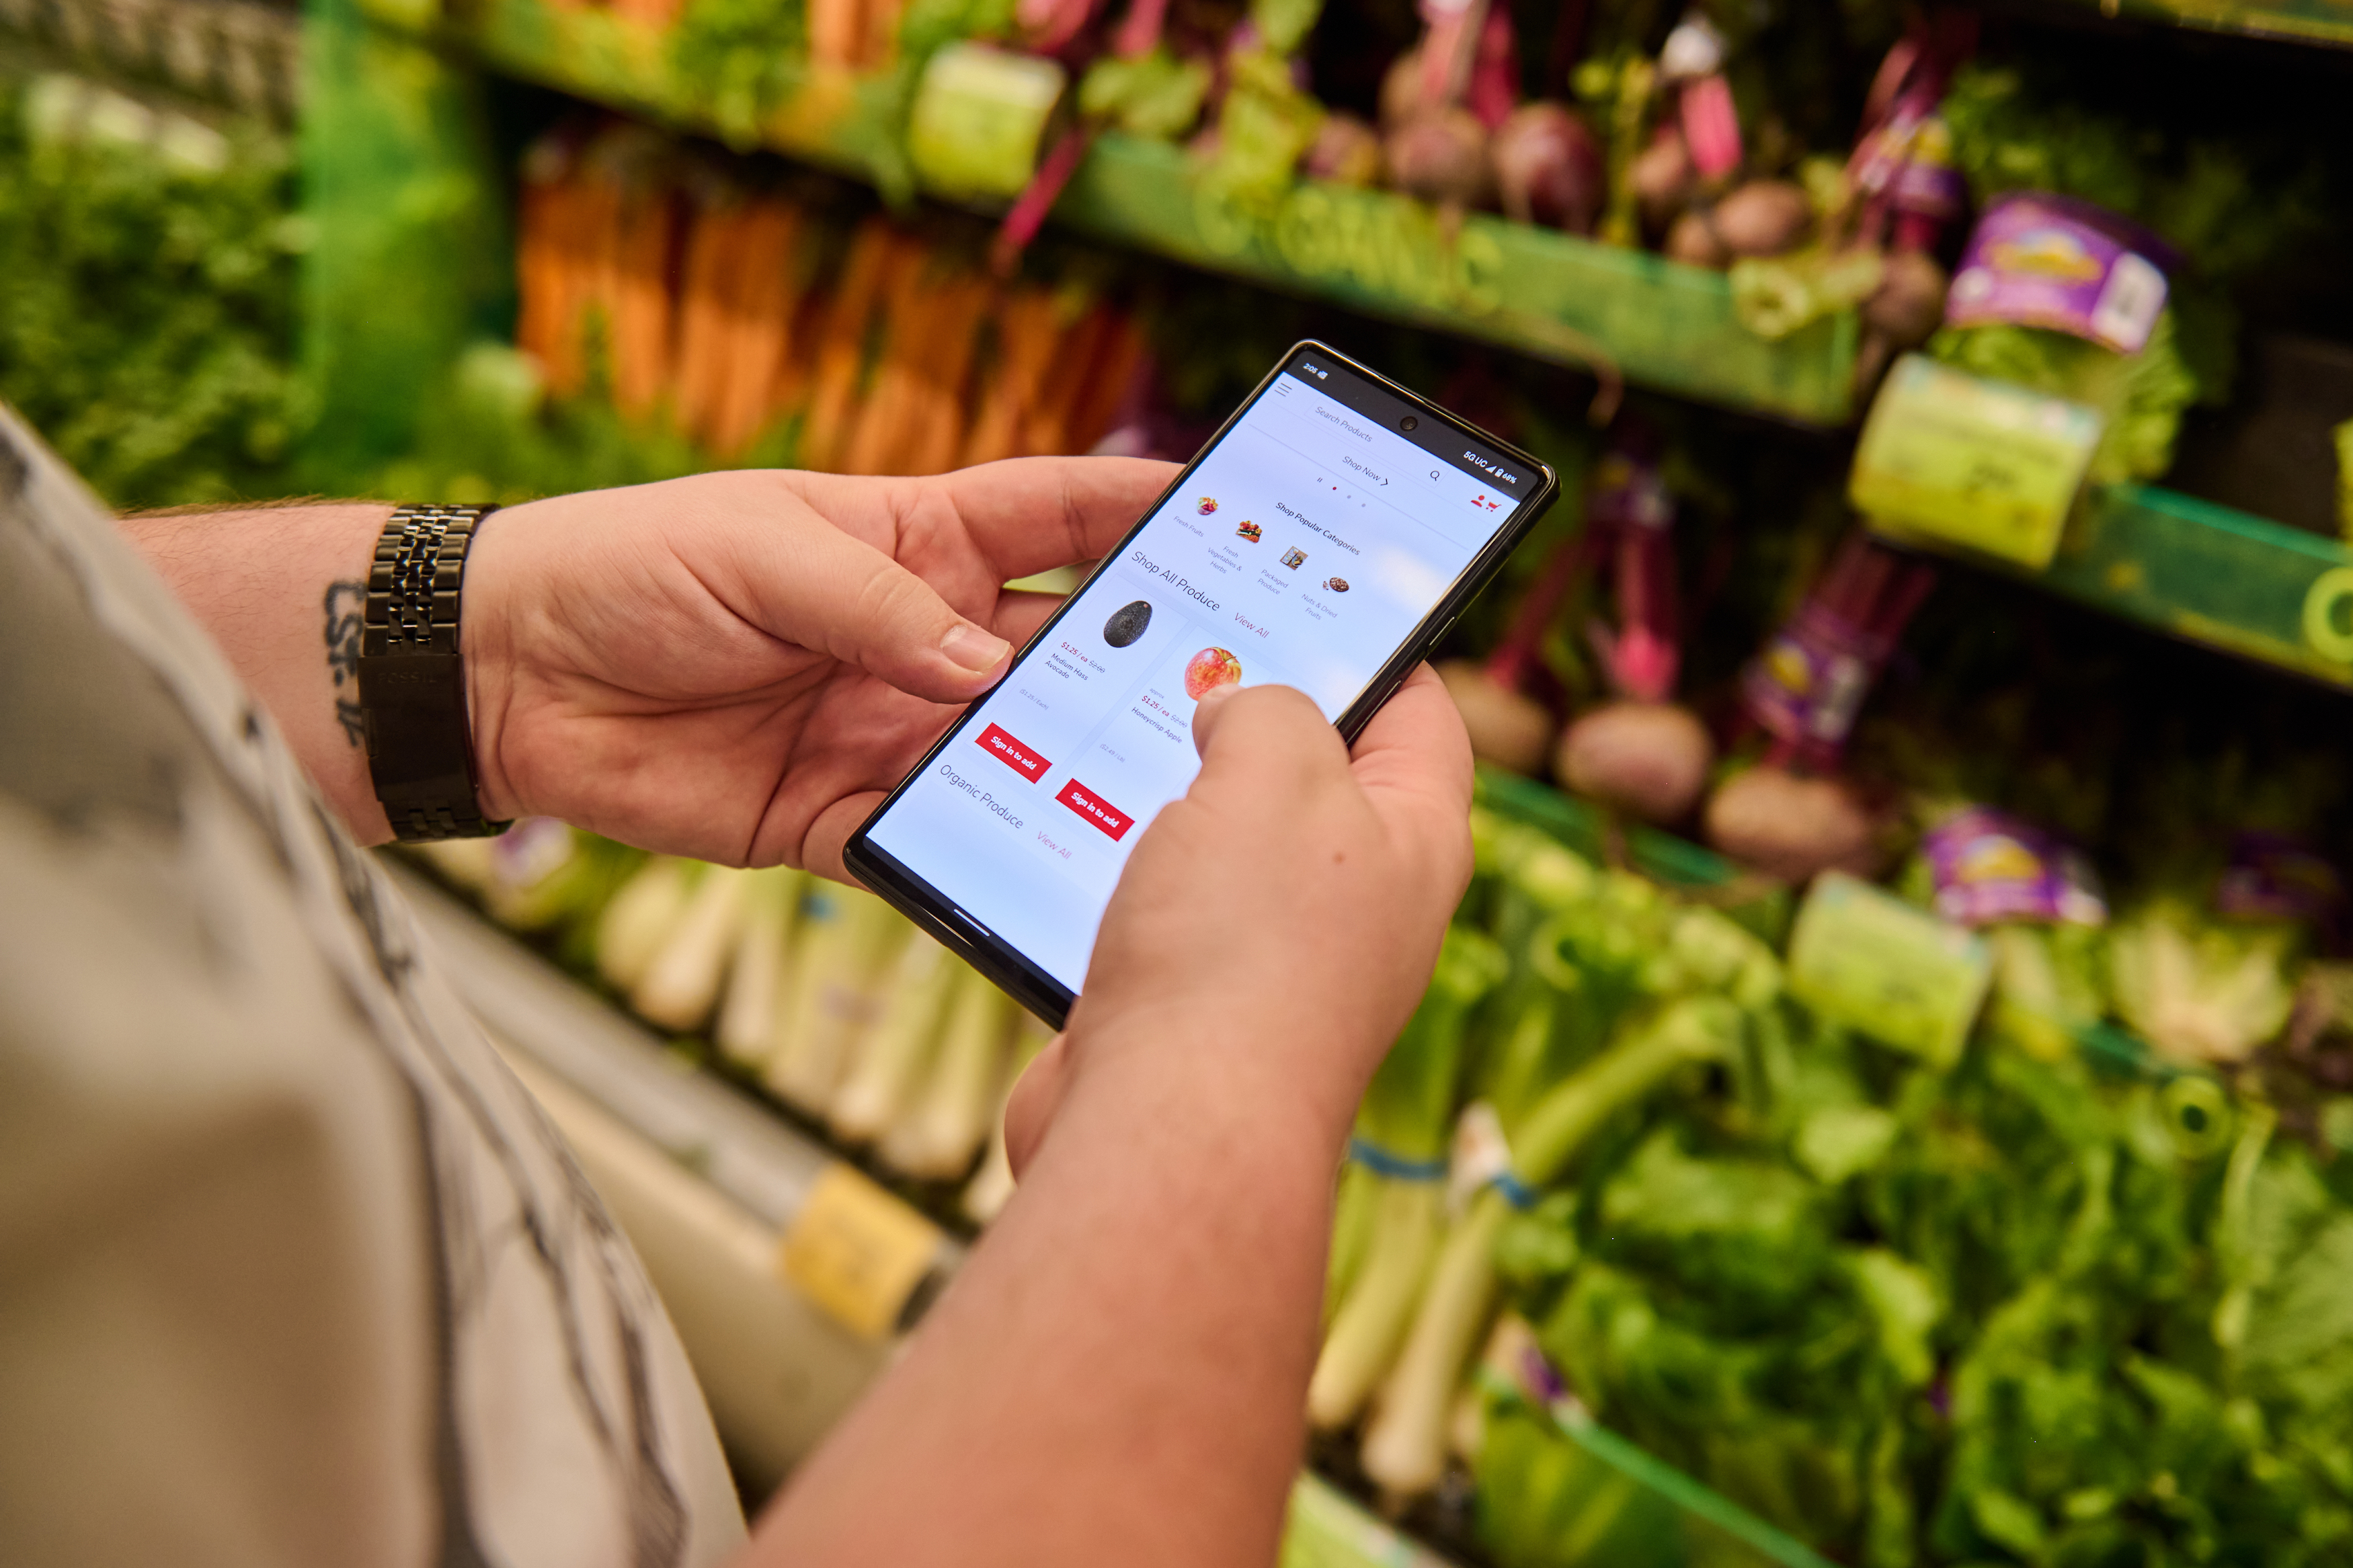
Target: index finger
x=1030, y=515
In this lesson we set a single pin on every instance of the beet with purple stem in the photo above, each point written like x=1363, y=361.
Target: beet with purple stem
x=1909, y=304
x=1649, y=760
x=1506, y=729
x=1763, y=217
x=1548, y=168
x=1794, y=816
x=1640, y=753
x=1662, y=179
x=1441, y=156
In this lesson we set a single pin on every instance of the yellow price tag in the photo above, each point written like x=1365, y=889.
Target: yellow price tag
x=1982, y=464
x=857, y=1251
x=1869, y=961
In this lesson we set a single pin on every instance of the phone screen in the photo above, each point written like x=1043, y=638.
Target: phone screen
x=1304, y=548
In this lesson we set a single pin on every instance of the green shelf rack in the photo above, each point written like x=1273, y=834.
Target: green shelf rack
x=1550, y=296
x=2205, y=572
x=2328, y=23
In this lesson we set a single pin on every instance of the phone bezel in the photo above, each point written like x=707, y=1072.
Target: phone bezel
x=1005, y=965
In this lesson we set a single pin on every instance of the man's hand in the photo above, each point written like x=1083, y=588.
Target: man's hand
x=1119, y=1373
x=1287, y=909
x=736, y=666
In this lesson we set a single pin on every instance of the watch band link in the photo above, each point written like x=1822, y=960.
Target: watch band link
x=413, y=678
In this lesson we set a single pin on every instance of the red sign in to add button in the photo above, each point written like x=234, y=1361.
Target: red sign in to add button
x=1089, y=804
x=1013, y=754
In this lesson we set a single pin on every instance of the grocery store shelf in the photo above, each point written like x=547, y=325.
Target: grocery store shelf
x=2206, y=574
x=1551, y=296
x=1698, y=873
x=761, y=1163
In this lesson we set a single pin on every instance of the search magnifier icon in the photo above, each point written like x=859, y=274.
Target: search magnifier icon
x=1433, y=473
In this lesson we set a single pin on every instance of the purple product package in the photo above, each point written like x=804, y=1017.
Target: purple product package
x=1811, y=679
x=2272, y=876
x=1988, y=866
x=2041, y=261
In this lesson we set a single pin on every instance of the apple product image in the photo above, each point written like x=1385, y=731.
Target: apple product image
x=1006, y=841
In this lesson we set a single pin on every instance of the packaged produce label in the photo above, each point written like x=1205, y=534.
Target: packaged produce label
x=1988, y=866
x=1628, y=494
x=1811, y=679
x=2272, y=876
x=979, y=117
x=1981, y=464
x=1902, y=976
x=1910, y=162
x=2037, y=260
x=1328, y=1529
x=858, y=1251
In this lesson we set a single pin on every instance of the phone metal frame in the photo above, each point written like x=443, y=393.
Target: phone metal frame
x=1005, y=965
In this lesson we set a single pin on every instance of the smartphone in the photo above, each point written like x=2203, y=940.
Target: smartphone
x=1324, y=539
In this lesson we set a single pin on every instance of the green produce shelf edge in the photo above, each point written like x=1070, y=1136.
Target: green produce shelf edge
x=1547, y=295
x=2203, y=572
x=2323, y=22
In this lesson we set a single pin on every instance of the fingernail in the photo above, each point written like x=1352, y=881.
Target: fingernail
x=1215, y=695
x=974, y=649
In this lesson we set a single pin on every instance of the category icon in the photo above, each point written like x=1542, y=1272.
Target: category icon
x=1206, y=505
x=1127, y=623
x=1208, y=669
x=1295, y=557
x=1336, y=584
x=1249, y=530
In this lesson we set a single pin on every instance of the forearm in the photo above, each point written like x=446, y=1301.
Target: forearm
x=1118, y=1373
x=280, y=590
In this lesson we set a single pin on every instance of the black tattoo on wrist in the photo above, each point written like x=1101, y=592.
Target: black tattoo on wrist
x=346, y=599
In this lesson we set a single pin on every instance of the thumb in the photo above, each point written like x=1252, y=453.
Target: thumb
x=839, y=595
x=1212, y=703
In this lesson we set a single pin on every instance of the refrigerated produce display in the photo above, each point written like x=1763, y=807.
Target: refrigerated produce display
x=1887, y=1096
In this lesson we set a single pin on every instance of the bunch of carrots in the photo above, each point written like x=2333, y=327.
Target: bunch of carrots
x=742, y=312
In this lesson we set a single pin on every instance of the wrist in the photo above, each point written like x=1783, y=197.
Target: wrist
x=486, y=637
x=1221, y=1073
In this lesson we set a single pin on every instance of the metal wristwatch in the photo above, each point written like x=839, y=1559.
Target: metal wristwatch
x=420, y=746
